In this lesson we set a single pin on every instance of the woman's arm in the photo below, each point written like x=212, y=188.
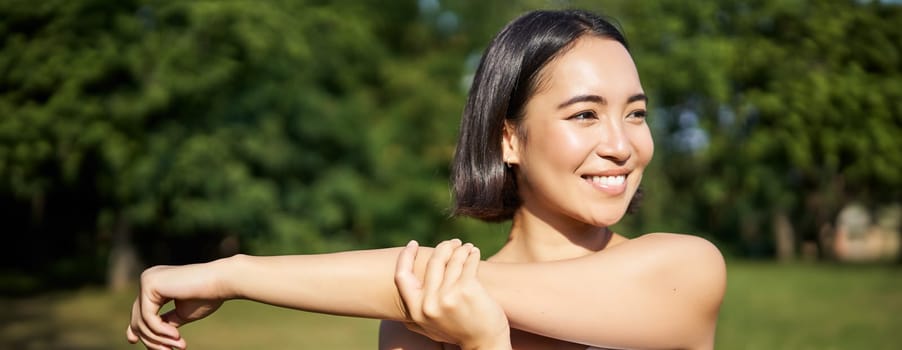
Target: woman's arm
x=355, y=283
x=656, y=291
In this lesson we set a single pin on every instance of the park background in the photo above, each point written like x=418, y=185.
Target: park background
x=135, y=133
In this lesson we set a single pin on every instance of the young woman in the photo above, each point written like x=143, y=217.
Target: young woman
x=554, y=138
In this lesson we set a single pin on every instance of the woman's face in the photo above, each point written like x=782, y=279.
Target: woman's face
x=587, y=141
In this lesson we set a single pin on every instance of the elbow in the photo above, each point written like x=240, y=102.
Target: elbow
x=708, y=272
x=691, y=275
x=705, y=274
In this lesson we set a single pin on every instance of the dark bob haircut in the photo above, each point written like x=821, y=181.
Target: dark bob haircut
x=508, y=75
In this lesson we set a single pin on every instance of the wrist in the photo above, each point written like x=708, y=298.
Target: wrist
x=223, y=270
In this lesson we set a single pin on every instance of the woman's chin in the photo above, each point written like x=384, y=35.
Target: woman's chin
x=604, y=220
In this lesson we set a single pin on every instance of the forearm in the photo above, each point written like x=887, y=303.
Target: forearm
x=355, y=283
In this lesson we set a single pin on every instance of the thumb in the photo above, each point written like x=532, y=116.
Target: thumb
x=172, y=318
x=190, y=310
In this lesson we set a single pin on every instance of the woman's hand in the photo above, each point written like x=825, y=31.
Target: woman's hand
x=194, y=292
x=451, y=305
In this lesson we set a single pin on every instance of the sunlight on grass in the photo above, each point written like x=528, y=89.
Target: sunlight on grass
x=768, y=306
x=94, y=319
x=248, y=325
x=799, y=306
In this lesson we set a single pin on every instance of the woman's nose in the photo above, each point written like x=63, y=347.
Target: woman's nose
x=614, y=143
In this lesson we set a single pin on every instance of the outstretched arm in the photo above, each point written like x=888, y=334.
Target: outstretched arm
x=656, y=291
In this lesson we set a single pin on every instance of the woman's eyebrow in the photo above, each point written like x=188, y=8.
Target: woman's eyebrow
x=583, y=98
x=600, y=100
x=637, y=97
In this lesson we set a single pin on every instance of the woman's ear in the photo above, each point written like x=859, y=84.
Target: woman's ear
x=510, y=145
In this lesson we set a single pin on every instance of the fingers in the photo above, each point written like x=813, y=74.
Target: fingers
x=450, y=261
x=150, y=314
x=449, y=305
x=455, y=265
x=435, y=268
x=141, y=332
x=152, y=340
x=471, y=266
x=130, y=334
x=150, y=302
x=147, y=326
x=405, y=264
x=409, y=286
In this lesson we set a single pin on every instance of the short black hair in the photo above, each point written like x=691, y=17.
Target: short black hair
x=508, y=75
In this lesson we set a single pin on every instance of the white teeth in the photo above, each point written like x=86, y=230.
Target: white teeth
x=609, y=180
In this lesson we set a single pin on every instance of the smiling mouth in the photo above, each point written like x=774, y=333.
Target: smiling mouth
x=606, y=181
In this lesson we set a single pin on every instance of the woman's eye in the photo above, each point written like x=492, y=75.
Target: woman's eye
x=583, y=116
x=640, y=114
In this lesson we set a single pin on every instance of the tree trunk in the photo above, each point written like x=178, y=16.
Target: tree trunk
x=784, y=236
x=122, y=268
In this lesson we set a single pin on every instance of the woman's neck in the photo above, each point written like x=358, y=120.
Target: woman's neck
x=537, y=238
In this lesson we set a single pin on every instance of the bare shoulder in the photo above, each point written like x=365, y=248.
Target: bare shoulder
x=687, y=270
x=680, y=253
x=670, y=238
x=679, y=260
x=687, y=248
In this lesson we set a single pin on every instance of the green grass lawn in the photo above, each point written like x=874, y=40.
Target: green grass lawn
x=768, y=306
x=810, y=306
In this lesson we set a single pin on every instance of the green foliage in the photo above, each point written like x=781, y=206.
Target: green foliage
x=301, y=126
x=799, y=102
x=293, y=126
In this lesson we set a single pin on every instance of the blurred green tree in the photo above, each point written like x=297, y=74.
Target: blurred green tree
x=286, y=126
x=181, y=131
x=770, y=115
